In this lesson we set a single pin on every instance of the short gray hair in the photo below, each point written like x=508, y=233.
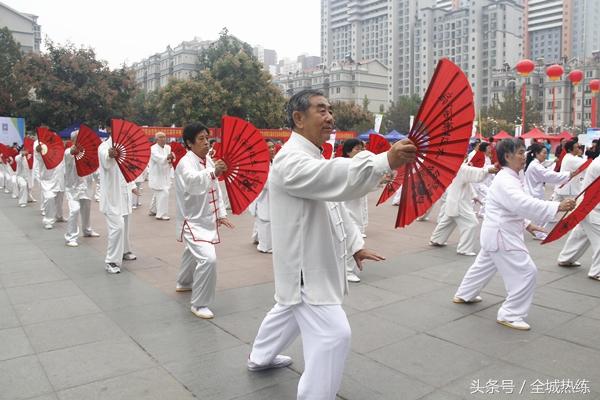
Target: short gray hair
x=506, y=147
x=299, y=102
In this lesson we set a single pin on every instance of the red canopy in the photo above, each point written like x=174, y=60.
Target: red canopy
x=535, y=133
x=502, y=135
x=560, y=136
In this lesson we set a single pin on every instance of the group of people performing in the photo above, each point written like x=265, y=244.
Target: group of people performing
x=311, y=215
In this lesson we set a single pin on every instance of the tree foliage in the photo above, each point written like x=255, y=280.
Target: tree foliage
x=10, y=90
x=501, y=115
x=398, y=115
x=352, y=117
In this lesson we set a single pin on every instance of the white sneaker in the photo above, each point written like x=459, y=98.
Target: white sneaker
x=466, y=253
x=458, y=300
x=22, y=205
x=48, y=226
x=352, y=277
x=165, y=218
x=434, y=244
x=202, y=312
x=182, y=288
x=270, y=251
x=91, y=234
x=112, y=268
x=519, y=325
x=72, y=243
x=280, y=361
x=129, y=256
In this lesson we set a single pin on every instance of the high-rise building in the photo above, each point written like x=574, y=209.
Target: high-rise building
x=24, y=28
x=266, y=57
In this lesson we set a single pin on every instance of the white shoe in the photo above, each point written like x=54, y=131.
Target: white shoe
x=134, y=207
x=48, y=226
x=569, y=264
x=458, y=300
x=422, y=219
x=466, y=253
x=270, y=251
x=165, y=218
x=279, y=361
x=112, y=268
x=72, y=243
x=129, y=256
x=519, y=325
x=43, y=213
x=22, y=205
x=182, y=288
x=364, y=235
x=352, y=277
x=202, y=312
x=434, y=244
x=91, y=234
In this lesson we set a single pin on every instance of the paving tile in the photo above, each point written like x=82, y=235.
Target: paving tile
x=428, y=359
x=30, y=277
x=223, y=375
x=53, y=309
x=43, y=291
x=13, y=344
x=124, y=294
x=22, y=378
x=564, y=300
x=541, y=319
x=284, y=390
x=365, y=297
x=370, y=332
x=243, y=325
x=578, y=283
x=8, y=317
x=580, y=330
x=58, y=334
x=149, y=384
x=87, y=363
x=408, y=285
x=418, y=314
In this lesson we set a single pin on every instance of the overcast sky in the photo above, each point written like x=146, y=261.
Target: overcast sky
x=128, y=31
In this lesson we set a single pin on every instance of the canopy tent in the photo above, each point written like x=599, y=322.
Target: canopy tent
x=560, y=136
x=66, y=133
x=502, y=135
x=394, y=136
x=365, y=135
x=535, y=133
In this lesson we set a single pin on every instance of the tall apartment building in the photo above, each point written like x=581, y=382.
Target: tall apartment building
x=23, y=27
x=266, y=57
x=559, y=30
x=180, y=62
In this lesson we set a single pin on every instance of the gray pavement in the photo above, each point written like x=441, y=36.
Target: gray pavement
x=69, y=331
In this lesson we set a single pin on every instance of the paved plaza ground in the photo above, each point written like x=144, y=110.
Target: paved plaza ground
x=70, y=331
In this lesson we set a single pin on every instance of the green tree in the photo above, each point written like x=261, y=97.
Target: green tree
x=352, y=117
x=10, y=90
x=226, y=44
x=501, y=115
x=398, y=115
x=145, y=108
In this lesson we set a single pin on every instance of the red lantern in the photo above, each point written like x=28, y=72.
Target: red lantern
x=554, y=72
x=595, y=86
x=525, y=67
x=575, y=76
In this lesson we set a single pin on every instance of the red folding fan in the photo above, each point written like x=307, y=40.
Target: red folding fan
x=87, y=143
x=339, y=150
x=28, y=145
x=560, y=159
x=378, y=143
x=245, y=152
x=53, y=151
x=327, y=150
x=179, y=150
x=441, y=134
x=132, y=147
x=9, y=157
x=393, y=186
x=591, y=198
x=478, y=159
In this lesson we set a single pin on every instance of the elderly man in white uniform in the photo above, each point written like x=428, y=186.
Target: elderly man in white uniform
x=159, y=177
x=24, y=178
x=263, y=214
x=571, y=161
x=52, y=186
x=79, y=192
x=115, y=204
x=200, y=212
x=458, y=210
x=586, y=234
x=311, y=237
x=502, y=243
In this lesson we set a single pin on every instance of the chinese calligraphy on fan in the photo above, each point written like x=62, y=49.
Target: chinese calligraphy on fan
x=537, y=386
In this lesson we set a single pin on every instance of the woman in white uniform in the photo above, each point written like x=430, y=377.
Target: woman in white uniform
x=502, y=243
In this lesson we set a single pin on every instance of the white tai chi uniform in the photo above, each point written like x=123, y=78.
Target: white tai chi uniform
x=159, y=179
x=587, y=232
x=2, y=179
x=263, y=220
x=503, y=246
x=199, y=204
x=79, y=192
x=536, y=176
x=458, y=210
x=115, y=204
x=309, y=259
x=52, y=182
x=569, y=164
x=24, y=179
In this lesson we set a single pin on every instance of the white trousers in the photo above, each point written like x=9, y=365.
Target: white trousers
x=2, y=181
x=77, y=208
x=467, y=226
x=325, y=333
x=117, y=238
x=135, y=199
x=14, y=186
x=199, y=270
x=160, y=203
x=263, y=229
x=49, y=207
x=23, y=190
x=580, y=239
x=518, y=272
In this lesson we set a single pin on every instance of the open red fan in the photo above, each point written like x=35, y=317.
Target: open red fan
x=339, y=150
x=9, y=154
x=132, y=147
x=327, y=150
x=179, y=150
x=591, y=198
x=393, y=186
x=86, y=160
x=478, y=159
x=53, y=151
x=378, y=143
x=246, y=154
x=441, y=134
x=28, y=145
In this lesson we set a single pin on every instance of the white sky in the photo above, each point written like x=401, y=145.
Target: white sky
x=128, y=31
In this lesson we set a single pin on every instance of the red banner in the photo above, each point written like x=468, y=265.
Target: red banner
x=280, y=134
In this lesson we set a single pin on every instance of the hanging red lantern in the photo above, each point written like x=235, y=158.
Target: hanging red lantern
x=575, y=76
x=554, y=72
x=595, y=86
x=525, y=67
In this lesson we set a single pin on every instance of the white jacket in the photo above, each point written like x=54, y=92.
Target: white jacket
x=115, y=192
x=311, y=236
x=591, y=174
x=536, y=175
x=460, y=193
x=78, y=187
x=569, y=164
x=159, y=176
